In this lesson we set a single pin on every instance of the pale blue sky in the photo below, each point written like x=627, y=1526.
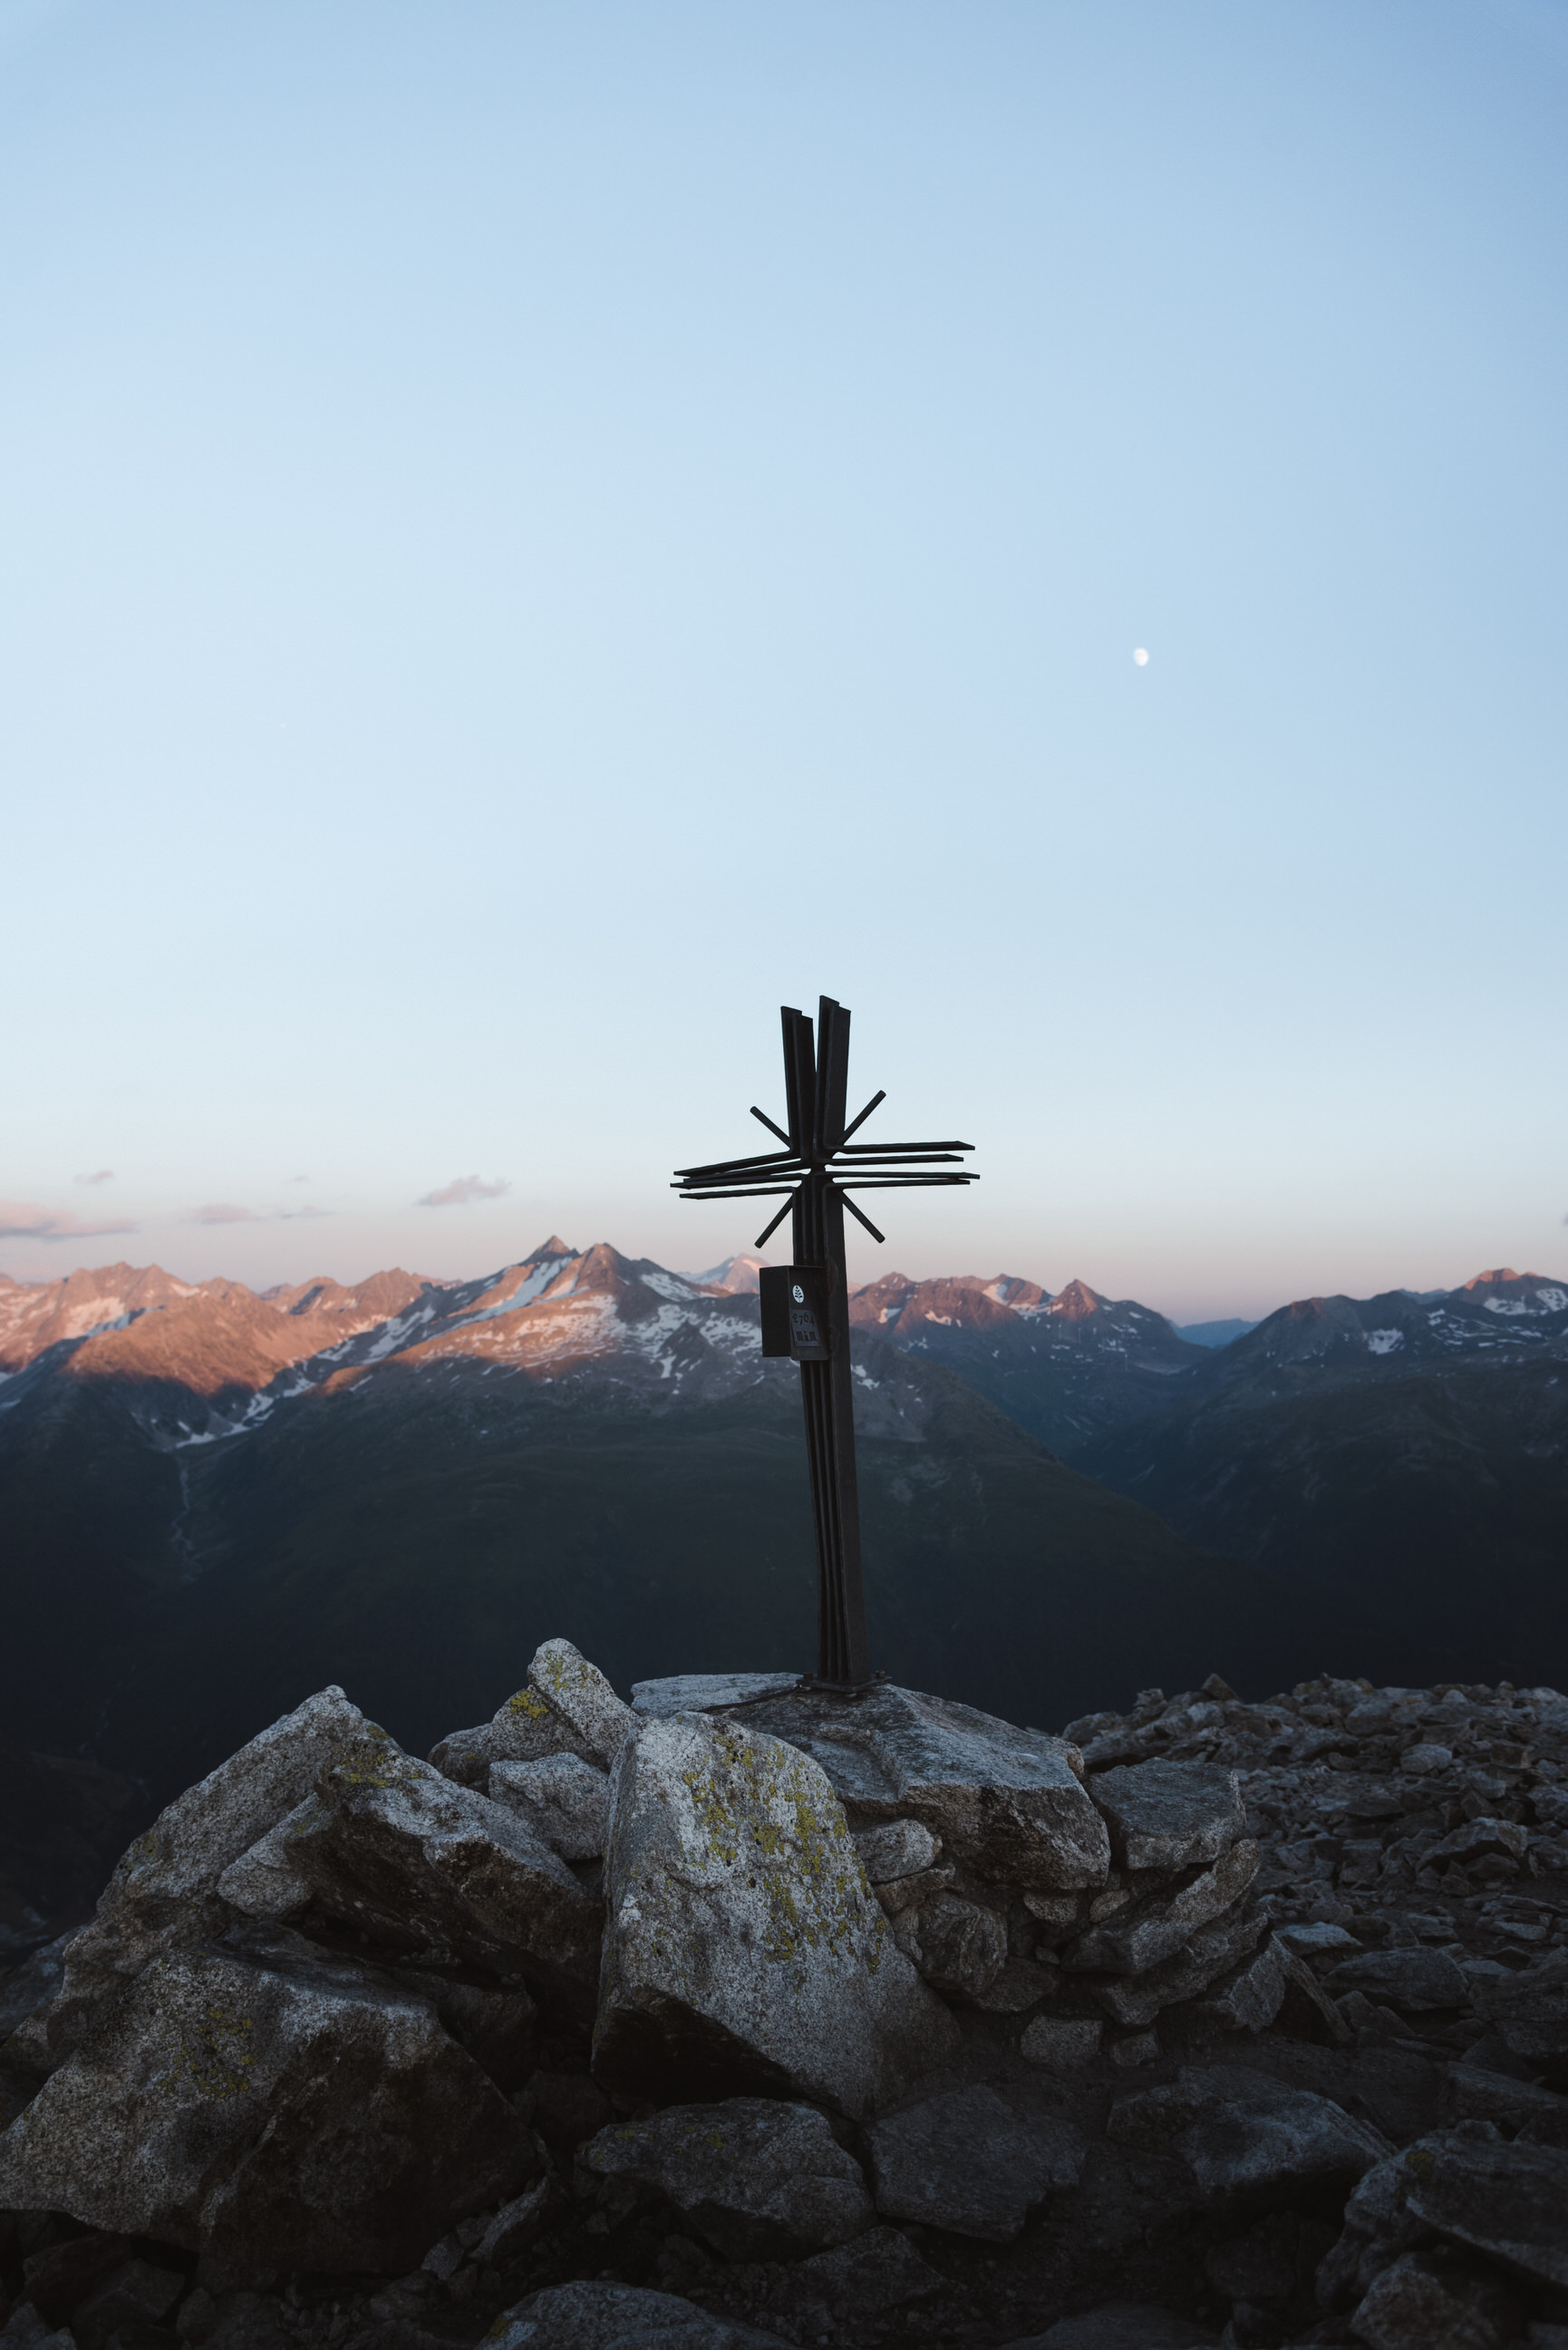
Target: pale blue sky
x=530, y=535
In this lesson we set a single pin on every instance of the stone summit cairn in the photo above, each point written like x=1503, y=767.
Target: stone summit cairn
x=750, y=2014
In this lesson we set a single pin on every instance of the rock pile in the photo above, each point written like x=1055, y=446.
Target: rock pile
x=754, y=2013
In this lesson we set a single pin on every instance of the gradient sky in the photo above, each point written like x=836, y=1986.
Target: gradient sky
x=531, y=535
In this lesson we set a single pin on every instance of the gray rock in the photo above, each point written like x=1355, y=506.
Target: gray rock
x=1139, y=1935
x=900, y=1848
x=564, y=1800
x=1478, y=2093
x=1169, y=1815
x=1249, y=1997
x=1306, y=2011
x=25, y=2330
x=966, y=2162
x=1123, y=2325
x=1483, y=1835
x=1316, y=1937
x=899, y=1893
x=878, y=2271
x=164, y=1889
x=605, y=2316
x=705, y=1693
x=1019, y=1984
x=1243, y=2134
x=744, y=1952
x=1413, y=1980
x=1510, y=2202
x=264, y=1882
x=757, y=2178
x=578, y=1695
x=959, y=1946
x=1424, y=2301
x=499, y=2028
x=1529, y=2011
x=1005, y=1801
x=420, y=1863
x=522, y=1729
x=1060, y=2043
x=1212, y=1951
x=1421, y=1761
x=514, y=2225
x=282, y=2109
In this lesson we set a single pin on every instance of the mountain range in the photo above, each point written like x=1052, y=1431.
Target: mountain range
x=216, y=1501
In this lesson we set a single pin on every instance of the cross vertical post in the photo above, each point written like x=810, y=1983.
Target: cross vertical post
x=805, y=1306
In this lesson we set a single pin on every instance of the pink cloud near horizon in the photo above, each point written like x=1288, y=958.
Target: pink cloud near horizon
x=465, y=1188
x=22, y=1219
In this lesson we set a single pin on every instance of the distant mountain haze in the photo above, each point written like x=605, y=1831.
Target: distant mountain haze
x=1213, y=1334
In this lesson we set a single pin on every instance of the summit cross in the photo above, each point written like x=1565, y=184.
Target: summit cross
x=805, y=1306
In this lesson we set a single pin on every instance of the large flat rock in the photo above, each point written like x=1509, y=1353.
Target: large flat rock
x=1244, y=2135
x=706, y=1692
x=758, y=2178
x=744, y=1952
x=1006, y=1802
x=1169, y=1815
x=1507, y=2200
x=964, y=2161
x=282, y=2109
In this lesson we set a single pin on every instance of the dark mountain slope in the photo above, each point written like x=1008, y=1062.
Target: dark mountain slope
x=1406, y=1456
x=410, y=1538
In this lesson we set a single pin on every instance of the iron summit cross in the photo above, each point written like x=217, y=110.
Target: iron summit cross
x=805, y=1306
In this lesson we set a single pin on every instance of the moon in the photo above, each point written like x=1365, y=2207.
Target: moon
x=1140, y=655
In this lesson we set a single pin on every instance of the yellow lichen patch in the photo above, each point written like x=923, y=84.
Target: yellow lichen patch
x=532, y=1707
x=216, y=2059
x=143, y=1851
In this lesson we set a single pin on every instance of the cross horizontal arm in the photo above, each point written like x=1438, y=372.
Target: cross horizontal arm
x=886, y=1157
x=769, y=1178
x=901, y=1182
x=756, y=1191
x=863, y=1150
x=724, y=1166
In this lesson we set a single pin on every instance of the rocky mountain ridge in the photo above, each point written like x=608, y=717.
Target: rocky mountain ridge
x=751, y=2015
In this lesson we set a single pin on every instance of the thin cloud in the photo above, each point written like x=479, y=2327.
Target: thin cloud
x=467, y=1187
x=21, y=1220
x=292, y=1215
x=223, y=1212
x=104, y=1175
